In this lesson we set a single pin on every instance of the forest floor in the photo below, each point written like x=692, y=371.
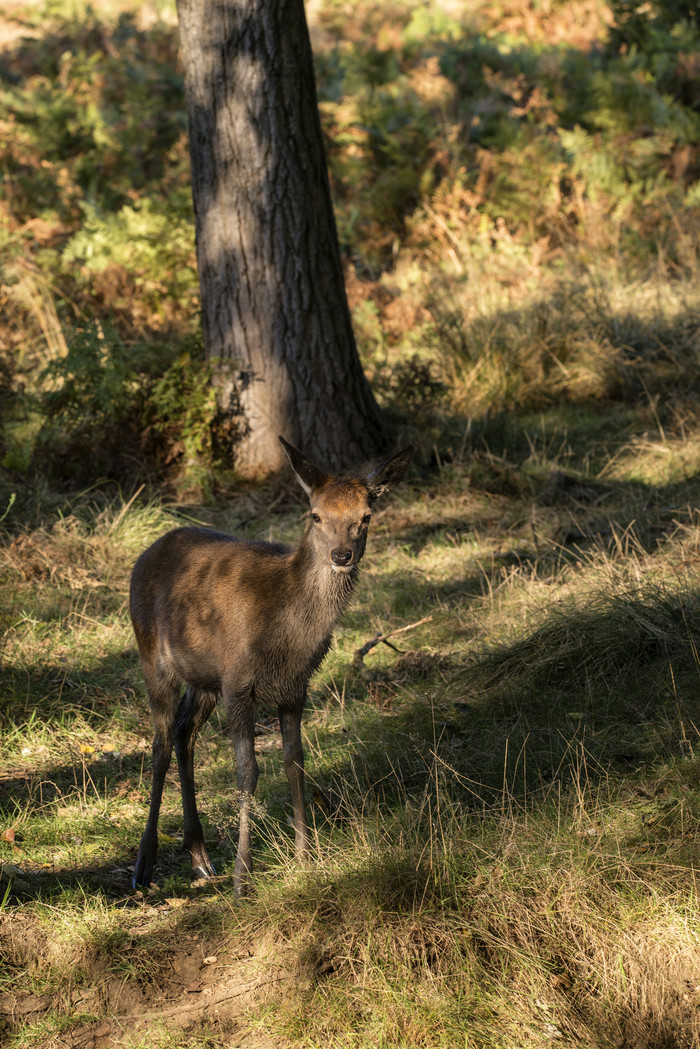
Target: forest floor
x=500, y=809
x=203, y=984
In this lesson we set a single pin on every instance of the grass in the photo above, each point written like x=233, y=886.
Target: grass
x=505, y=810
x=505, y=814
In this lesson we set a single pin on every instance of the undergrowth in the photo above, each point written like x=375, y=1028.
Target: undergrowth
x=505, y=809
x=515, y=196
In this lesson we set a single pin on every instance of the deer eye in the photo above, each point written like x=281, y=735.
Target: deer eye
x=366, y=520
x=315, y=517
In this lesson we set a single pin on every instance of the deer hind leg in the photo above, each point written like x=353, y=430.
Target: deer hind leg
x=290, y=724
x=162, y=695
x=241, y=712
x=192, y=712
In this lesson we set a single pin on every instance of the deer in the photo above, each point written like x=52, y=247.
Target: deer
x=247, y=622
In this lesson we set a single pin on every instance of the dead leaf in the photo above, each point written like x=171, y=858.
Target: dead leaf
x=210, y=960
x=9, y=835
x=176, y=901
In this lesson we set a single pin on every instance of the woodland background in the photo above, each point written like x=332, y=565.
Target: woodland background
x=505, y=810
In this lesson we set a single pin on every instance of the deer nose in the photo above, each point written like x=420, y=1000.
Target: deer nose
x=341, y=557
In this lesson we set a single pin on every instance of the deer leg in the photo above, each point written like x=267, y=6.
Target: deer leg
x=290, y=723
x=162, y=753
x=247, y=778
x=192, y=712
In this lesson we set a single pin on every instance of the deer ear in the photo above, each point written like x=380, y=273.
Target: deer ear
x=308, y=475
x=387, y=475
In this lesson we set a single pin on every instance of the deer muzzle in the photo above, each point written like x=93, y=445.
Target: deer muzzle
x=341, y=559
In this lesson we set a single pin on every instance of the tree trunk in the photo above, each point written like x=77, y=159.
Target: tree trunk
x=274, y=309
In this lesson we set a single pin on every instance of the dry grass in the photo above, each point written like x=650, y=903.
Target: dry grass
x=505, y=811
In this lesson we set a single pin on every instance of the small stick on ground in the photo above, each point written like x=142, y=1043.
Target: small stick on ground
x=378, y=639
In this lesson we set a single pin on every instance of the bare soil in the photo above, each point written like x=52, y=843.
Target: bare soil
x=200, y=985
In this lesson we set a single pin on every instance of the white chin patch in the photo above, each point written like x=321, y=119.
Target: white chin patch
x=342, y=569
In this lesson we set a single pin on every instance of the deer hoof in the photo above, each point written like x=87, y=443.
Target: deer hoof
x=143, y=870
x=199, y=872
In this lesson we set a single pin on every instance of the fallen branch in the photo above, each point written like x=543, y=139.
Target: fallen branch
x=383, y=639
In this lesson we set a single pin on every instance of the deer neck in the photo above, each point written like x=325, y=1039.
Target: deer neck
x=323, y=594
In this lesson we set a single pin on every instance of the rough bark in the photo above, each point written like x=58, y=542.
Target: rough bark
x=274, y=308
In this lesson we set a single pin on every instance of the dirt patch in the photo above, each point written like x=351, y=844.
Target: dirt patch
x=198, y=984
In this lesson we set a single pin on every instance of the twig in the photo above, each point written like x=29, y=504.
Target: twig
x=378, y=639
x=125, y=508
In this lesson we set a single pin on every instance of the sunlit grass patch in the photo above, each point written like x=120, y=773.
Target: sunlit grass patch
x=412, y=936
x=504, y=811
x=75, y=570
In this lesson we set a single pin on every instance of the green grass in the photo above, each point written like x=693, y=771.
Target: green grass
x=505, y=810
x=505, y=814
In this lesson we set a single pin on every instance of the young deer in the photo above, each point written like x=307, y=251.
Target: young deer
x=249, y=621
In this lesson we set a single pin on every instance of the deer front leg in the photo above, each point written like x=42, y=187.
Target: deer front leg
x=247, y=779
x=290, y=724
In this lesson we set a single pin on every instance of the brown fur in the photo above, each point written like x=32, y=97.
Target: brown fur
x=248, y=621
